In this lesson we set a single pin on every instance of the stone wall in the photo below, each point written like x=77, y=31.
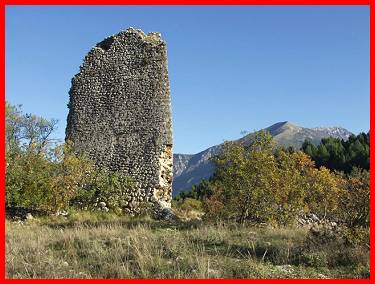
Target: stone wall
x=120, y=112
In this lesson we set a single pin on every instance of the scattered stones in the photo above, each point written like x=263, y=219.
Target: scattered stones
x=120, y=114
x=322, y=276
x=62, y=213
x=102, y=204
x=310, y=220
x=213, y=272
x=29, y=216
x=285, y=268
x=314, y=218
x=64, y=263
x=19, y=222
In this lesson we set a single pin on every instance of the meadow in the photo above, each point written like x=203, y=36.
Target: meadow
x=103, y=245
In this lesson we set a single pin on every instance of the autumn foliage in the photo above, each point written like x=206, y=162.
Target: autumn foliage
x=262, y=184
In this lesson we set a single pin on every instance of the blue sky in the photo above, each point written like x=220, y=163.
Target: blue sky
x=231, y=68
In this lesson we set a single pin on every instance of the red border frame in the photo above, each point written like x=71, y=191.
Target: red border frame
x=4, y=3
x=187, y=2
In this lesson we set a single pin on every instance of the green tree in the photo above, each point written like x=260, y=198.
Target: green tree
x=27, y=132
x=340, y=155
x=28, y=153
x=309, y=148
x=244, y=181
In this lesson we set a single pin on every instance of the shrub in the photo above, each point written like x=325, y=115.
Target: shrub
x=43, y=183
x=28, y=182
x=314, y=259
x=112, y=188
x=355, y=200
x=335, y=246
x=189, y=204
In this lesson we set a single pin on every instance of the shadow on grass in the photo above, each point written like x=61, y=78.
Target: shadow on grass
x=262, y=251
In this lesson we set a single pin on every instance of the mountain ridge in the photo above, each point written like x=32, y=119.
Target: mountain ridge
x=190, y=169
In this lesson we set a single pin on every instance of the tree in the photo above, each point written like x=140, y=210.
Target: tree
x=244, y=181
x=28, y=167
x=289, y=192
x=323, y=155
x=309, y=148
x=322, y=192
x=337, y=154
x=27, y=132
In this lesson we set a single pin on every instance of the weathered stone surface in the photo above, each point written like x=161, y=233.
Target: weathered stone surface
x=120, y=112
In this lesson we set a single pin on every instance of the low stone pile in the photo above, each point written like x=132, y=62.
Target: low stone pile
x=311, y=219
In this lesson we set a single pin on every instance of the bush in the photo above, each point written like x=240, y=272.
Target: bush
x=112, y=188
x=43, y=183
x=355, y=200
x=28, y=183
x=314, y=259
x=189, y=204
x=50, y=185
x=335, y=246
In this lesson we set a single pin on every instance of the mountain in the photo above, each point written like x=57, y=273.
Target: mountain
x=191, y=169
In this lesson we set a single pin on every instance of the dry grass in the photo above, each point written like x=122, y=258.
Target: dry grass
x=88, y=245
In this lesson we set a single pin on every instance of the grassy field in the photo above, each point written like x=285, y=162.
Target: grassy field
x=87, y=245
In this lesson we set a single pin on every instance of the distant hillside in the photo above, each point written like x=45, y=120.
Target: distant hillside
x=191, y=169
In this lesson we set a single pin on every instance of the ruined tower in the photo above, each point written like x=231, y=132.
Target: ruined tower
x=120, y=112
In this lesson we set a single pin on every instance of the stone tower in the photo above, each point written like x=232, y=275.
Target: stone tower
x=120, y=112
